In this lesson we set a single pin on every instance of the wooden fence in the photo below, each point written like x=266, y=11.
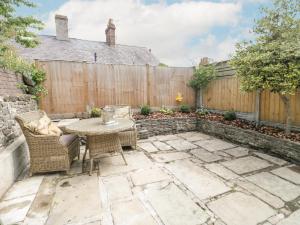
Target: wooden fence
x=74, y=85
x=224, y=94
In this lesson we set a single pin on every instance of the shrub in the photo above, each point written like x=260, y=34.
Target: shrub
x=96, y=112
x=202, y=111
x=229, y=115
x=145, y=110
x=166, y=111
x=185, y=108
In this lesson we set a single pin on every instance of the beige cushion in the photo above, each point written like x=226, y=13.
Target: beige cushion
x=43, y=126
x=67, y=139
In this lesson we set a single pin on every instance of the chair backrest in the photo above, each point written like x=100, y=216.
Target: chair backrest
x=122, y=111
x=27, y=117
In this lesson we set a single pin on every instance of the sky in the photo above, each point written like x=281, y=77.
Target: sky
x=179, y=33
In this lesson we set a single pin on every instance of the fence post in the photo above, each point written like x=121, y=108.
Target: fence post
x=257, y=107
x=148, y=83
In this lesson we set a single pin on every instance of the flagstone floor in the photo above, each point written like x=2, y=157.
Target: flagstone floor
x=183, y=179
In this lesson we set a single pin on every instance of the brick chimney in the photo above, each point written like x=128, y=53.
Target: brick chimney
x=110, y=33
x=61, y=23
x=204, y=61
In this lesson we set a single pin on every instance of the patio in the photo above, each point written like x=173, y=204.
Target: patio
x=183, y=179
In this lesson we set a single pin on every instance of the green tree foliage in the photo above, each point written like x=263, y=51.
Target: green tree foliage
x=20, y=29
x=272, y=60
x=202, y=76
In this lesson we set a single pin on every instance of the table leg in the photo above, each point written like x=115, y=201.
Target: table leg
x=84, y=155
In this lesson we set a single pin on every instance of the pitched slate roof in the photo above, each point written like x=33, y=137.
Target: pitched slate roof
x=82, y=50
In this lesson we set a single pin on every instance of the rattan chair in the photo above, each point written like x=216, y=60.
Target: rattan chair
x=129, y=137
x=48, y=153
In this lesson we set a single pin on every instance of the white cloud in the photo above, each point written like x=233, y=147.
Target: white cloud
x=166, y=29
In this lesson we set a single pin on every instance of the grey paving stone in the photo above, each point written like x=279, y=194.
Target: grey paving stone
x=291, y=173
x=194, y=136
x=237, y=152
x=148, y=146
x=271, y=159
x=214, y=145
x=75, y=201
x=275, y=185
x=131, y=213
x=15, y=210
x=262, y=194
x=293, y=219
x=181, y=145
x=162, y=146
x=168, y=157
x=167, y=137
x=115, y=164
x=240, y=209
x=174, y=207
x=221, y=171
x=246, y=164
x=198, y=180
x=25, y=187
x=117, y=188
x=205, y=155
x=148, y=176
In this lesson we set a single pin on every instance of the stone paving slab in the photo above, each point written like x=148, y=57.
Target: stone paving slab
x=174, y=207
x=246, y=164
x=148, y=147
x=115, y=164
x=205, y=155
x=15, y=210
x=293, y=219
x=291, y=173
x=221, y=171
x=241, y=209
x=214, y=145
x=162, y=146
x=25, y=187
x=41, y=206
x=117, y=188
x=131, y=213
x=275, y=185
x=194, y=136
x=148, y=176
x=237, y=152
x=76, y=201
x=168, y=157
x=271, y=159
x=272, y=200
x=198, y=180
x=167, y=137
x=181, y=145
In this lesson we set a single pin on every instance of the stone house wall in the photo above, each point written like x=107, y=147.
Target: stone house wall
x=9, y=83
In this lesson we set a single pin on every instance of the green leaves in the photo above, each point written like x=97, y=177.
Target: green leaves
x=202, y=76
x=272, y=61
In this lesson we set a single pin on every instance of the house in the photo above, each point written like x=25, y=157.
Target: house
x=62, y=47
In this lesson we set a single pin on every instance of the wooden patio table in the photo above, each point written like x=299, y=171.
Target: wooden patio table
x=101, y=138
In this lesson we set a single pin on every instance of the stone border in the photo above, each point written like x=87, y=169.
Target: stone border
x=151, y=127
x=284, y=148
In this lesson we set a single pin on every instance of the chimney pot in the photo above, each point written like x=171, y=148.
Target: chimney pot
x=204, y=61
x=110, y=33
x=61, y=23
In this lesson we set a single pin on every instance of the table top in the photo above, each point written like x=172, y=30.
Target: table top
x=94, y=126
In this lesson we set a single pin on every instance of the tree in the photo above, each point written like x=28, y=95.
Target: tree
x=201, y=78
x=272, y=61
x=20, y=29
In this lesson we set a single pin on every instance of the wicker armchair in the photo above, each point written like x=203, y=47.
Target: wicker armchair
x=127, y=138
x=48, y=152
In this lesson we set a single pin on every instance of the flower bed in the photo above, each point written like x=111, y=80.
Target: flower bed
x=248, y=125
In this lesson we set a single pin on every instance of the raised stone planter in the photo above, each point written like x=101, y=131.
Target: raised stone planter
x=150, y=127
x=284, y=148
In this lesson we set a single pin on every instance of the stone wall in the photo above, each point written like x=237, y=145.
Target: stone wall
x=9, y=83
x=150, y=127
x=9, y=107
x=283, y=148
